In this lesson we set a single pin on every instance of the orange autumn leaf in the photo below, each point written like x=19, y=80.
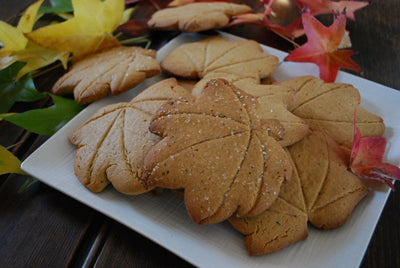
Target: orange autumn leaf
x=367, y=156
x=322, y=45
x=89, y=31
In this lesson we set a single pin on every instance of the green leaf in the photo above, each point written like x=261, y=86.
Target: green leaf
x=9, y=163
x=46, y=121
x=57, y=6
x=29, y=182
x=11, y=91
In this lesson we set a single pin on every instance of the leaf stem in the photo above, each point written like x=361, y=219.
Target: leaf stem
x=13, y=145
x=139, y=39
x=44, y=71
x=287, y=39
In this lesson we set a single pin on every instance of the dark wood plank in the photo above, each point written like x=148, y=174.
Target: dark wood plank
x=375, y=37
x=38, y=222
x=39, y=227
x=130, y=249
x=383, y=250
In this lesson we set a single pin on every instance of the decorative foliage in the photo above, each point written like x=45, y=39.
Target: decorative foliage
x=317, y=7
x=367, y=156
x=322, y=47
x=325, y=41
x=57, y=6
x=9, y=163
x=16, y=47
x=12, y=91
x=89, y=31
x=46, y=121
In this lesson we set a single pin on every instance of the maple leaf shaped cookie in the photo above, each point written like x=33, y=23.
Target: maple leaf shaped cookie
x=275, y=103
x=112, y=144
x=113, y=71
x=218, y=150
x=215, y=54
x=196, y=17
x=322, y=191
x=330, y=107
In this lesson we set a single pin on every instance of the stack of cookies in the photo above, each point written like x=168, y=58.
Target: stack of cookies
x=267, y=157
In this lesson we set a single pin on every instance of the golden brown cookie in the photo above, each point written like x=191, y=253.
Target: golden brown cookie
x=110, y=72
x=218, y=149
x=330, y=190
x=215, y=54
x=321, y=191
x=275, y=103
x=284, y=223
x=196, y=17
x=112, y=144
x=330, y=107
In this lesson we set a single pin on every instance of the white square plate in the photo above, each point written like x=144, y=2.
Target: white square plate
x=164, y=219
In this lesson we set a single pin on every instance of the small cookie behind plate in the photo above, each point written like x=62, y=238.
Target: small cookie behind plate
x=196, y=17
x=109, y=72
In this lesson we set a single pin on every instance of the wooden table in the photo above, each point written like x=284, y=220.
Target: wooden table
x=42, y=227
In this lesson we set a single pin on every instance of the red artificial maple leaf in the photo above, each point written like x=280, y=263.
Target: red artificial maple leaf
x=322, y=45
x=366, y=158
x=267, y=5
x=134, y=27
x=316, y=7
x=293, y=30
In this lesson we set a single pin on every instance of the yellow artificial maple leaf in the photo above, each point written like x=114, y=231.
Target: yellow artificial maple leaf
x=16, y=47
x=89, y=31
x=13, y=38
x=9, y=163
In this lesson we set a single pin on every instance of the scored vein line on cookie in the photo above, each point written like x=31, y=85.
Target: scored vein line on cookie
x=276, y=238
x=201, y=142
x=297, y=175
x=325, y=176
x=305, y=82
x=227, y=66
x=129, y=61
x=80, y=68
x=225, y=52
x=295, y=169
x=122, y=106
x=86, y=88
x=99, y=145
x=313, y=209
x=205, y=115
x=330, y=90
x=125, y=155
x=235, y=176
x=300, y=213
x=265, y=156
x=192, y=61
